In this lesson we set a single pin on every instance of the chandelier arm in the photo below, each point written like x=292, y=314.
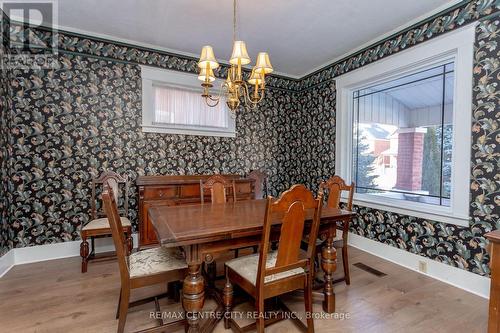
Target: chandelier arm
x=222, y=91
x=215, y=100
x=248, y=98
x=234, y=90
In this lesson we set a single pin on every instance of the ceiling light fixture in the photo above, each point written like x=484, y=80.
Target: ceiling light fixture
x=234, y=89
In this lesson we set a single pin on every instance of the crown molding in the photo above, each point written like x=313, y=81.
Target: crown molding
x=417, y=21
x=130, y=42
x=441, y=10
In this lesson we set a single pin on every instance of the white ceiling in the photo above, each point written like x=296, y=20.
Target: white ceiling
x=300, y=35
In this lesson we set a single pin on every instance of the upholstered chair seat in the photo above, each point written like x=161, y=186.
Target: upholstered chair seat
x=141, y=269
x=99, y=225
x=272, y=273
x=103, y=223
x=155, y=260
x=247, y=267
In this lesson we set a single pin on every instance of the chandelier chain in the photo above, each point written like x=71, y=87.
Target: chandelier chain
x=234, y=20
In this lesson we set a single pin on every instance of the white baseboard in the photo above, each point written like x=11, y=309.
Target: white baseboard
x=7, y=261
x=457, y=277
x=26, y=255
x=460, y=278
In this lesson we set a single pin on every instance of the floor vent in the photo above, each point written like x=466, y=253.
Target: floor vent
x=369, y=269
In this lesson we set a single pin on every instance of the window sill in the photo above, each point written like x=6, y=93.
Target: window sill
x=424, y=211
x=187, y=131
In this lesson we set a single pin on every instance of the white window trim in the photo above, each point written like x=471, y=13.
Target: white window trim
x=152, y=76
x=457, y=45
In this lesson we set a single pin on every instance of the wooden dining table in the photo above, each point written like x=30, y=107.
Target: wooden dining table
x=207, y=230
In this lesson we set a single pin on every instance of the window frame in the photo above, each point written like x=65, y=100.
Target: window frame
x=158, y=77
x=458, y=46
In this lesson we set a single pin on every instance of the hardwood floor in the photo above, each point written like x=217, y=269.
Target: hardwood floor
x=53, y=296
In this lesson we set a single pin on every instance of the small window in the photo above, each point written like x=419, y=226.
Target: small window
x=403, y=129
x=172, y=103
x=407, y=119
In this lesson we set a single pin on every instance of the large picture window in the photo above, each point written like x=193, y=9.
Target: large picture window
x=403, y=136
x=403, y=129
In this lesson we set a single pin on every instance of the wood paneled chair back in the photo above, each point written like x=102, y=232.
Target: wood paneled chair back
x=275, y=273
x=334, y=188
x=292, y=205
x=220, y=189
x=111, y=208
x=99, y=224
x=260, y=183
x=153, y=266
x=115, y=181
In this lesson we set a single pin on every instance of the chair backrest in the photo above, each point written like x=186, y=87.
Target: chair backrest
x=111, y=210
x=260, y=183
x=114, y=180
x=290, y=208
x=220, y=187
x=335, y=185
x=245, y=189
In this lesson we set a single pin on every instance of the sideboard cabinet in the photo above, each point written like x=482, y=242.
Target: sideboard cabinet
x=178, y=190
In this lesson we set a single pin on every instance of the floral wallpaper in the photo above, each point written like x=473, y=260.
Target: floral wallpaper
x=80, y=115
x=317, y=123
x=83, y=116
x=4, y=153
x=463, y=247
x=107, y=49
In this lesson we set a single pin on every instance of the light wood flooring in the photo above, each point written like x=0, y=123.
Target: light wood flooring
x=53, y=296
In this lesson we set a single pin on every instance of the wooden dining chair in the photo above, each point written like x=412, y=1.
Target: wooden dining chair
x=335, y=186
x=220, y=188
x=158, y=265
x=99, y=224
x=260, y=187
x=273, y=273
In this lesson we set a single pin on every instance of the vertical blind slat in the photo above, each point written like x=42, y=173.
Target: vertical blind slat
x=184, y=107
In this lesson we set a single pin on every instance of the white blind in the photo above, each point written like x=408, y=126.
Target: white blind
x=179, y=106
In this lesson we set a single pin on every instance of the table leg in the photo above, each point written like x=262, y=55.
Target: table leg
x=193, y=290
x=84, y=253
x=329, y=264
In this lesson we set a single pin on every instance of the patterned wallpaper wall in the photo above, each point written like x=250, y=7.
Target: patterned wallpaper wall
x=463, y=247
x=82, y=116
x=72, y=122
x=4, y=153
x=77, y=114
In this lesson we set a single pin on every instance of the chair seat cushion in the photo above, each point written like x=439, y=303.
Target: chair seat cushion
x=156, y=260
x=103, y=223
x=247, y=267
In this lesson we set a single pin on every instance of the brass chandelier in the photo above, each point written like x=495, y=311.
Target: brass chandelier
x=234, y=89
